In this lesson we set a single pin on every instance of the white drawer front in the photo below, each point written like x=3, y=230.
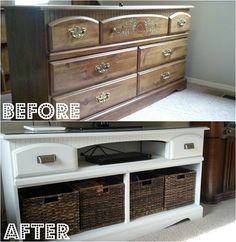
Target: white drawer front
x=42, y=159
x=185, y=146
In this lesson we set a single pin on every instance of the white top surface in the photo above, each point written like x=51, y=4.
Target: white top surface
x=115, y=132
x=106, y=7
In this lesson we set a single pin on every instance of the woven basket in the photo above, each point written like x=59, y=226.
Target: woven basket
x=179, y=187
x=101, y=202
x=50, y=204
x=146, y=194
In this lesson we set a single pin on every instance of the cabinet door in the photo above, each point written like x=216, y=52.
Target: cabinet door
x=179, y=22
x=160, y=53
x=78, y=73
x=44, y=158
x=160, y=76
x=185, y=146
x=131, y=27
x=102, y=96
x=73, y=32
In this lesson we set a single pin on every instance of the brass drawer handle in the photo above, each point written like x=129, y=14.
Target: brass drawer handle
x=116, y=31
x=77, y=32
x=165, y=75
x=189, y=146
x=42, y=159
x=103, y=97
x=103, y=67
x=181, y=22
x=167, y=52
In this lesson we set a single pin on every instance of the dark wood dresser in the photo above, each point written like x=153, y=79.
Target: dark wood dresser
x=218, y=171
x=111, y=60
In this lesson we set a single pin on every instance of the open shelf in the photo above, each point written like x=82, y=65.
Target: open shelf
x=88, y=170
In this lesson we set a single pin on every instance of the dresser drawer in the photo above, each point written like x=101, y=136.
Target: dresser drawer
x=130, y=27
x=77, y=73
x=44, y=158
x=73, y=32
x=157, y=54
x=160, y=76
x=102, y=96
x=185, y=146
x=179, y=22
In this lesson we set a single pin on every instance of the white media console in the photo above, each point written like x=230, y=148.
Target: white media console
x=27, y=162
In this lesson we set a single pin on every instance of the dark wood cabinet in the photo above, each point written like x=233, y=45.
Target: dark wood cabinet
x=64, y=53
x=218, y=173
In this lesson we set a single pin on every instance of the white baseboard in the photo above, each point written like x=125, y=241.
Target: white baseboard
x=220, y=86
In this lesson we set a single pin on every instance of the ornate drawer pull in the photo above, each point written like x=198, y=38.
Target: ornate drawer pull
x=77, y=32
x=103, y=67
x=165, y=75
x=115, y=30
x=167, y=52
x=42, y=159
x=103, y=97
x=181, y=22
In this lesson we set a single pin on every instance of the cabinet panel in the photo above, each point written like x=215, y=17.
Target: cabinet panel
x=160, y=76
x=73, y=32
x=100, y=97
x=45, y=158
x=85, y=71
x=179, y=22
x=156, y=54
x=132, y=27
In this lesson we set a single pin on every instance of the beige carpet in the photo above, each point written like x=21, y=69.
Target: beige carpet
x=194, y=103
x=218, y=220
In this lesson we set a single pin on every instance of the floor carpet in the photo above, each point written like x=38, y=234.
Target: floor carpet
x=217, y=220
x=194, y=103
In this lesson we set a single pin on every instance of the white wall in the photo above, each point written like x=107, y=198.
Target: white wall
x=211, y=50
x=212, y=42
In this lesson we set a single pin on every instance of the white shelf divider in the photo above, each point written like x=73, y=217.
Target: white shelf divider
x=127, y=197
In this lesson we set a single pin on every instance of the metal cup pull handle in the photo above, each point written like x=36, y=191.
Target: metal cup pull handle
x=189, y=146
x=43, y=159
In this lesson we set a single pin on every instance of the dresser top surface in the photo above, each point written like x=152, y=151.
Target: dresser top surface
x=103, y=7
x=98, y=132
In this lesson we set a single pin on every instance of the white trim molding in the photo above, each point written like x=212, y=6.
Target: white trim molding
x=215, y=85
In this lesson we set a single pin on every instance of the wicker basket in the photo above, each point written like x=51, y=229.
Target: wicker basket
x=50, y=204
x=101, y=202
x=179, y=187
x=146, y=194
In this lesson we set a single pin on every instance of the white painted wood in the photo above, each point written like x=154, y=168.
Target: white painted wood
x=87, y=170
x=178, y=146
x=141, y=226
x=154, y=134
x=127, y=197
x=198, y=169
x=10, y=190
x=44, y=128
x=155, y=148
x=18, y=148
x=107, y=7
x=25, y=159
